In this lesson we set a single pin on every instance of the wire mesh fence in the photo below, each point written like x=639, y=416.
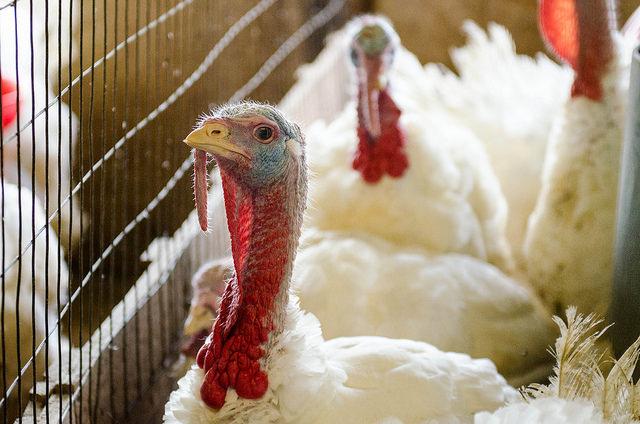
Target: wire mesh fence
x=96, y=97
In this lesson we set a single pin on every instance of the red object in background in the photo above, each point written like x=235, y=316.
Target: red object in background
x=9, y=92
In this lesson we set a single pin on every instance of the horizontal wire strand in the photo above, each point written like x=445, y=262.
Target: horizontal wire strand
x=285, y=49
x=151, y=25
x=218, y=48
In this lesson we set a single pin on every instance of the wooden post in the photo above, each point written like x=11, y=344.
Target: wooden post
x=625, y=305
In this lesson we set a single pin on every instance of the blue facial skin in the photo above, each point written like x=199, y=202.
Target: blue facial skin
x=269, y=162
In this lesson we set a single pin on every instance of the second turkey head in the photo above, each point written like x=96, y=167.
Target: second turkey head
x=380, y=139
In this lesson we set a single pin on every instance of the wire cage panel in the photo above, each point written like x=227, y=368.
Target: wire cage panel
x=99, y=237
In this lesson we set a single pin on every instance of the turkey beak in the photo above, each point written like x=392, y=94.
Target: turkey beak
x=373, y=68
x=214, y=138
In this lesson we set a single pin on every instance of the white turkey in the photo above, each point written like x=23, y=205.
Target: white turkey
x=510, y=102
x=61, y=124
x=568, y=246
x=266, y=360
x=578, y=391
x=207, y=287
x=359, y=284
x=41, y=267
x=392, y=168
x=390, y=288
x=362, y=285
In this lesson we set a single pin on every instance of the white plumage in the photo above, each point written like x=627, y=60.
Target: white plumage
x=29, y=282
x=449, y=199
x=351, y=380
x=310, y=380
x=578, y=391
x=569, y=243
x=359, y=285
x=544, y=411
x=509, y=101
x=62, y=126
x=392, y=258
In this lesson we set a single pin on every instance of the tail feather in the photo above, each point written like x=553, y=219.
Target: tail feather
x=578, y=371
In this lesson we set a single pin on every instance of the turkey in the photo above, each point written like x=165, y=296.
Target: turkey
x=578, y=391
x=25, y=279
x=392, y=168
x=61, y=125
x=568, y=247
x=387, y=289
x=362, y=285
x=510, y=102
x=207, y=287
x=266, y=360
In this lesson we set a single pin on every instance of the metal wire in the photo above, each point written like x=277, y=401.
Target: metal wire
x=97, y=273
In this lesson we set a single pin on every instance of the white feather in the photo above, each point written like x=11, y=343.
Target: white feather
x=351, y=380
x=358, y=284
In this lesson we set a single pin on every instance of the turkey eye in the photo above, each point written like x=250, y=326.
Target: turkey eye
x=263, y=133
x=354, y=57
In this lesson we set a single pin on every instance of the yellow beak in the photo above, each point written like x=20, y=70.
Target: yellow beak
x=214, y=138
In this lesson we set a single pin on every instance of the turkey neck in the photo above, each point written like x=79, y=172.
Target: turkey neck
x=595, y=51
x=264, y=224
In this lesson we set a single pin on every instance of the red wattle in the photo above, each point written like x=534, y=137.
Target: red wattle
x=231, y=356
x=385, y=154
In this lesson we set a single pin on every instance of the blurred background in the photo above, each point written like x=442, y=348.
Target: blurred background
x=136, y=76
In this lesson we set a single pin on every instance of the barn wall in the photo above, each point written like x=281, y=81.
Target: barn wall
x=429, y=28
x=132, y=83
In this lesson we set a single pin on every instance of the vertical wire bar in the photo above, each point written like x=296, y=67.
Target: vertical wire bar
x=92, y=289
x=46, y=204
x=124, y=275
x=148, y=96
x=158, y=160
x=136, y=234
x=82, y=193
x=59, y=217
x=103, y=129
x=70, y=164
x=4, y=276
x=182, y=32
x=177, y=62
x=185, y=35
x=114, y=109
x=18, y=167
x=33, y=204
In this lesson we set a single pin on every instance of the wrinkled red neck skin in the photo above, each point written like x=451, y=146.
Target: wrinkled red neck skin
x=260, y=228
x=580, y=33
x=383, y=155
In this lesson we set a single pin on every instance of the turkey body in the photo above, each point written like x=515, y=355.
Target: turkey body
x=351, y=380
x=569, y=244
x=299, y=376
x=448, y=201
x=35, y=278
x=510, y=102
x=48, y=139
x=359, y=284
